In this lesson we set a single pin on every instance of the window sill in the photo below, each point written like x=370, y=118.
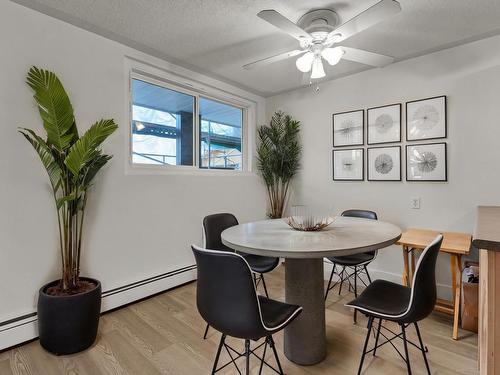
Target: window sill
x=145, y=169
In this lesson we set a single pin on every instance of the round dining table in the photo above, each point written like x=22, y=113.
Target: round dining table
x=305, y=337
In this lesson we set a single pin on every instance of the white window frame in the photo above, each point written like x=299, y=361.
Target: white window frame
x=160, y=77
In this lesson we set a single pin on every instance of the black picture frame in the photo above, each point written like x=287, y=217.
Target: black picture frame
x=362, y=128
x=368, y=124
x=445, y=118
x=362, y=164
x=445, y=161
x=368, y=164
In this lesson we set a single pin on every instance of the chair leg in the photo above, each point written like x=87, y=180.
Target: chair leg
x=376, y=338
x=405, y=343
x=263, y=356
x=355, y=314
x=370, y=323
x=247, y=356
x=221, y=343
x=271, y=344
x=356, y=281
x=264, y=284
x=206, y=332
x=341, y=279
x=422, y=348
x=368, y=274
x=329, y=282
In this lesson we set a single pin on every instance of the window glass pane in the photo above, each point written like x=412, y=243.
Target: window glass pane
x=153, y=116
x=162, y=125
x=220, y=135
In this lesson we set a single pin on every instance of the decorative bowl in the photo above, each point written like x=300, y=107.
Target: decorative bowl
x=302, y=219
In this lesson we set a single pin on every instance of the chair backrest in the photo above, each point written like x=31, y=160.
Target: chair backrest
x=423, y=289
x=225, y=293
x=213, y=226
x=364, y=214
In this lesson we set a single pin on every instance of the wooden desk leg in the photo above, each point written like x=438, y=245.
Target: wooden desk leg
x=456, y=314
x=456, y=275
x=406, y=271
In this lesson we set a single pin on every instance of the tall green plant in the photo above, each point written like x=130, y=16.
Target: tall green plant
x=71, y=163
x=278, y=158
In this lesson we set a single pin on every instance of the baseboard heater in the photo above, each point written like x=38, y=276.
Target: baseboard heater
x=24, y=328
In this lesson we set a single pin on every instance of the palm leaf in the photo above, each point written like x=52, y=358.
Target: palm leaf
x=43, y=150
x=86, y=148
x=54, y=106
x=67, y=198
x=92, y=168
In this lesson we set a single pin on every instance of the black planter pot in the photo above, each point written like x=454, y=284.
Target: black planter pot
x=68, y=324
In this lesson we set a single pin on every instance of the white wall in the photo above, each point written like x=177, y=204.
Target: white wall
x=138, y=225
x=470, y=76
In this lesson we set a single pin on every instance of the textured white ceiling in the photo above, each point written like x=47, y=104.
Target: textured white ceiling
x=217, y=37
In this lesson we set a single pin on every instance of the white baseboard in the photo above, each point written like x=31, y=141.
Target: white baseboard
x=20, y=330
x=114, y=298
x=25, y=328
x=443, y=290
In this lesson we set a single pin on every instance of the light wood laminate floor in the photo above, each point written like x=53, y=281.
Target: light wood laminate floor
x=163, y=335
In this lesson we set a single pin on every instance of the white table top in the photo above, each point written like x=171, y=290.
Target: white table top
x=344, y=236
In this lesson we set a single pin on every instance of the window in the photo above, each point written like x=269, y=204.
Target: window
x=220, y=135
x=162, y=125
x=179, y=127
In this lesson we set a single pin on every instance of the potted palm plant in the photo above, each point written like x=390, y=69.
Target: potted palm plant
x=69, y=308
x=278, y=159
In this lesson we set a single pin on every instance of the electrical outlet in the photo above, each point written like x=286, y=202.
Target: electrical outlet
x=415, y=203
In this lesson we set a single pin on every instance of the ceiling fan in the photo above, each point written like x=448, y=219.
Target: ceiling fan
x=318, y=31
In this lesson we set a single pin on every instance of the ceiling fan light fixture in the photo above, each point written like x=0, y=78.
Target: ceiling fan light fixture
x=319, y=29
x=317, y=68
x=305, y=62
x=332, y=55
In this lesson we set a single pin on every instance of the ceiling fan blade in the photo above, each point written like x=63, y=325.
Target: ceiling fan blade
x=368, y=18
x=366, y=57
x=273, y=59
x=281, y=22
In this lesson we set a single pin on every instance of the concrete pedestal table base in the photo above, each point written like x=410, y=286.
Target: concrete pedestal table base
x=305, y=338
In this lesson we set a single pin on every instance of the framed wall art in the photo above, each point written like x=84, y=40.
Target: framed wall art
x=426, y=162
x=426, y=119
x=348, y=165
x=384, y=163
x=348, y=128
x=384, y=124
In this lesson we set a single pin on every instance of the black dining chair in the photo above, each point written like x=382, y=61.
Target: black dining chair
x=384, y=300
x=227, y=299
x=356, y=263
x=213, y=226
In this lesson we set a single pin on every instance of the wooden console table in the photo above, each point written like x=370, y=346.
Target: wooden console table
x=487, y=240
x=456, y=245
